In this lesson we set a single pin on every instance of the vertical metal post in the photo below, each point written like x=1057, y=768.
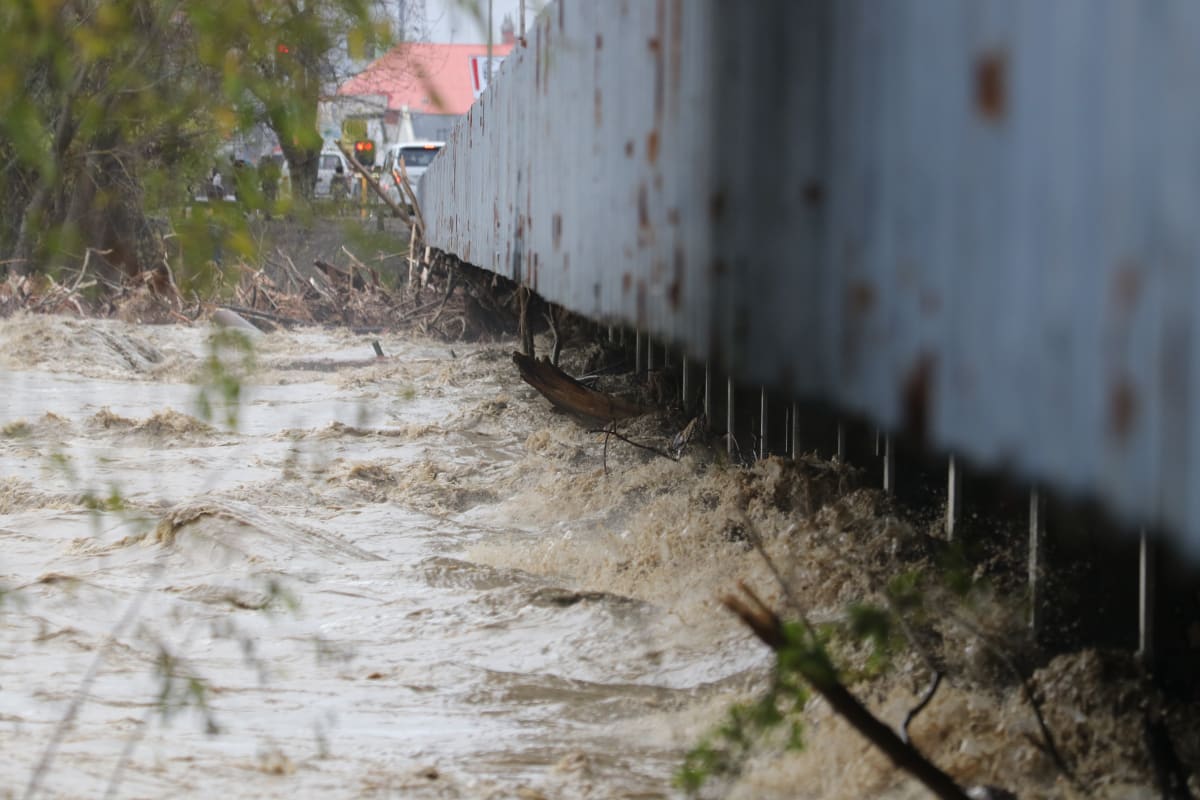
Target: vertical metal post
x=1147, y=586
x=490, y=37
x=953, y=496
x=1037, y=558
x=889, y=465
x=878, y=442
x=639, y=366
x=763, y=429
x=840, y=453
x=685, y=388
x=649, y=353
x=708, y=418
x=729, y=416
x=612, y=335
x=795, y=431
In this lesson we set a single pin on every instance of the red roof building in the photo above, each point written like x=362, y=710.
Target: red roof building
x=427, y=79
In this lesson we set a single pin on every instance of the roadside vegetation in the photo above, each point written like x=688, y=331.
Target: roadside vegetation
x=113, y=112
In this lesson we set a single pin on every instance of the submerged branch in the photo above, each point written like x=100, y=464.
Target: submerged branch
x=768, y=627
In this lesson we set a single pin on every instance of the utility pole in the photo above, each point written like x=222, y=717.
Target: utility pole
x=491, y=36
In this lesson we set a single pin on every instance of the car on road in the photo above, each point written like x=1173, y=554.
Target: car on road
x=417, y=156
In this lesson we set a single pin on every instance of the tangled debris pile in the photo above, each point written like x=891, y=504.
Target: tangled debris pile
x=437, y=297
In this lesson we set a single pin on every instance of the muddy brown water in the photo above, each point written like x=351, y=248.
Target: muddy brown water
x=358, y=578
x=408, y=577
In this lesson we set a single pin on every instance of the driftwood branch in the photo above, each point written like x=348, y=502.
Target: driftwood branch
x=406, y=190
x=768, y=627
x=572, y=396
x=524, y=328
x=253, y=312
x=552, y=319
x=920, y=706
x=374, y=184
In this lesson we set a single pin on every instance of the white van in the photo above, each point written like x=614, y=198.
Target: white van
x=417, y=157
x=332, y=165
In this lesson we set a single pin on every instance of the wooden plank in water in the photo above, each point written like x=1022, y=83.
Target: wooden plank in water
x=571, y=396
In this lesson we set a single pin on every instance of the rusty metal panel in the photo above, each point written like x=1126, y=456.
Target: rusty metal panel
x=973, y=221
x=586, y=169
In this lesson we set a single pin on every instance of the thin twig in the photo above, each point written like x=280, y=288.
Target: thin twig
x=919, y=707
x=445, y=298
x=609, y=429
x=767, y=625
x=627, y=440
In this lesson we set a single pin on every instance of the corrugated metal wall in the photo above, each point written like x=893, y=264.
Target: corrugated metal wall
x=981, y=219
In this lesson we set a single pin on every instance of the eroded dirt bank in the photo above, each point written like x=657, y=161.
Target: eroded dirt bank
x=409, y=577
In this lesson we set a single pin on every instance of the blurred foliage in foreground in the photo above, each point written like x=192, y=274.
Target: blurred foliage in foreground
x=111, y=108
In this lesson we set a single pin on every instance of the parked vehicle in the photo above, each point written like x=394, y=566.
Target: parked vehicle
x=417, y=157
x=333, y=175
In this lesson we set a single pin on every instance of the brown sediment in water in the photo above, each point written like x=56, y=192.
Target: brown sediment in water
x=489, y=600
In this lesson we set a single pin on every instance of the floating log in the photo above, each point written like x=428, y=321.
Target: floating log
x=224, y=318
x=563, y=391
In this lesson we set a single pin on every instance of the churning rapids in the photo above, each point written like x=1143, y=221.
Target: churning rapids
x=389, y=577
x=305, y=571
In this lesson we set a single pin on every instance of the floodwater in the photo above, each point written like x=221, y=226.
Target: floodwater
x=303, y=571
x=397, y=577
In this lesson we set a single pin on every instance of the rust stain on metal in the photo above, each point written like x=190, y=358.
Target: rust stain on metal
x=643, y=208
x=597, y=95
x=556, y=231
x=716, y=205
x=814, y=194
x=656, y=47
x=673, y=215
x=675, y=288
x=917, y=394
x=629, y=148
x=1126, y=287
x=1122, y=408
x=626, y=283
x=860, y=298
x=991, y=85
x=652, y=148
x=676, y=47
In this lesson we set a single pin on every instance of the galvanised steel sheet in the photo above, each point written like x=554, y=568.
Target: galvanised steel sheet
x=586, y=169
x=976, y=220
